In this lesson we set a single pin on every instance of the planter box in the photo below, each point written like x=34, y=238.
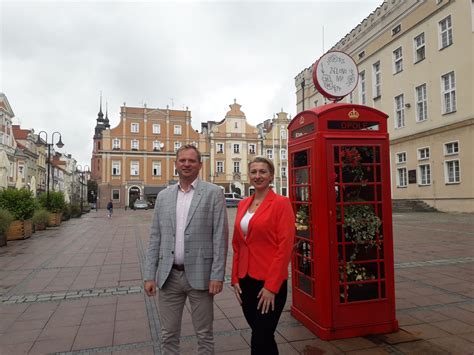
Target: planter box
x=3, y=239
x=54, y=219
x=40, y=227
x=20, y=230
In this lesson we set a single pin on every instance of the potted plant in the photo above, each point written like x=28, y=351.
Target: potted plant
x=55, y=206
x=66, y=215
x=21, y=204
x=75, y=210
x=6, y=219
x=40, y=219
x=302, y=221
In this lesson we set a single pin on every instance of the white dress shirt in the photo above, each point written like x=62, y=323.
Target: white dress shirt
x=182, y=208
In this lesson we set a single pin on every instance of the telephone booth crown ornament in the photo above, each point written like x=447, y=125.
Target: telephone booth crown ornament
x=343, y=267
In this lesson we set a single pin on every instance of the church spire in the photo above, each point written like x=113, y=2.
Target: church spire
x=106, y=121
x=100, y=115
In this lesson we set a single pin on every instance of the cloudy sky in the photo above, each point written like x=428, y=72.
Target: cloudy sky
x=56, y=57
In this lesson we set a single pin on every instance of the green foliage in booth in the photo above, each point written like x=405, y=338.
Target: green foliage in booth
x=20, y=203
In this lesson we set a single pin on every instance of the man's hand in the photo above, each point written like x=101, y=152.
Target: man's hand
x=150, y=287
x=215, y=287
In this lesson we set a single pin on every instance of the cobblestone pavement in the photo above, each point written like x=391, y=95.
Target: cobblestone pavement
x=76, y=289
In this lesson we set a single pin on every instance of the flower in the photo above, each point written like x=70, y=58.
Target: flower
x=301, y=218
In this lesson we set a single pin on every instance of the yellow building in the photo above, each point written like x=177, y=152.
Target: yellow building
x=415, y=61
x=233, y=143
x=136, y=158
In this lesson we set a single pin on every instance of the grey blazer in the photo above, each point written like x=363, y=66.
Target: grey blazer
x=205, y=237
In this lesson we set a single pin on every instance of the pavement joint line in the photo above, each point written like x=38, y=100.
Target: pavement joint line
x=131, y=346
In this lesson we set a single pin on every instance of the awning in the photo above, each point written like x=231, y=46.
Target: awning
x=153, y=190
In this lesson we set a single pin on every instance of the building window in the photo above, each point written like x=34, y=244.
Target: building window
x=134, y=144
x=445, y=32
x=134, y=168
x=424, y=171
x=21, y=170
x=449, y=92
x=236, y=125
x=397, y=60
x=419, y=47
x=423, y=153
x=451, y=148
x=451, y=172
x=283, y=154
x=157, y=145
x=236, y=166
x=283, y=134
x=134, y=127
x=116, y=143
x=236, y=148
x=220, y=147
x=377, y=80
x=177, y=129
x=116, y=195
x=421, y=103
x=362, y=93
x=195, y=144
x=283, y=171
x=219, y=167
x=270, y=153
x=399, y=111
x=396, y=29
x=361, y=54
x=402, y=177
x=401, y=158
x=156, y=168
x=175, y=172
x=156, y=128
x=252, y=148
x=115, y=168
x=177, y=145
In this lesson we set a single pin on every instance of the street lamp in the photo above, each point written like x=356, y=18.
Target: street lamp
x=82, y=171
x=60, y=144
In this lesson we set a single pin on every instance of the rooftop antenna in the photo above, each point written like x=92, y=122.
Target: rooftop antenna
x=172, y=102
x=323, y=39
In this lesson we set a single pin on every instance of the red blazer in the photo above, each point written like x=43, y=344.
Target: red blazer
x=266, y=252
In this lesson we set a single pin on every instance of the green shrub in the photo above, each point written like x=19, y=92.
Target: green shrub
x=56, y=201
x=41, y=216
x=6, y=219
x=75, y=210
x=20, y=203
x=66, y=213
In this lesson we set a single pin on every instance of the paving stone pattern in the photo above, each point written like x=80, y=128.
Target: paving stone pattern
x=77, y=289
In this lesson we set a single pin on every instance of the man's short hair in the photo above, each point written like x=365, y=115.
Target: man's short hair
x=186, y=147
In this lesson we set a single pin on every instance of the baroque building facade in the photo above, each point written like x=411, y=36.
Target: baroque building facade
x=135, y=159
x=415, y=64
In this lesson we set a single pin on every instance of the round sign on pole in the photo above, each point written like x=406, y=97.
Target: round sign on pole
x=335, y=75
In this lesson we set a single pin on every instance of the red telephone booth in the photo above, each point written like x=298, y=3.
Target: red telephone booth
x=342, y=269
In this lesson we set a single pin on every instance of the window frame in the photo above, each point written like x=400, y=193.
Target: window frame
x=177, y=129
x=269, y=153
x=399, y=111
x=445, y=148
x=419, y=46
x=134, y=127
x=220, y=145
x=117, y=167
x=236, y=167
x=177, y=145
x=402, y=181
x=252, y=148
x=401, y=154
x=423, y=153
x=220, y=166
x=397, y=60
x=135, y=144
x=427, y=174
x=156, y=128
x=377, y=80
x=362, y=88
x=283, y=154
x=448, y=94
x=156, y=168
x=446, y=172
x=236, y=148
x=421, y=104
x=448, y=31
x=134, y=164
x=116, y=143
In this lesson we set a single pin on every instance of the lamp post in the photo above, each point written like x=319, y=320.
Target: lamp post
x=82, y=171
x=60, y=144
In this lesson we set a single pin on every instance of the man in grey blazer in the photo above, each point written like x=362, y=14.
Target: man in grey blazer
x=187, y=252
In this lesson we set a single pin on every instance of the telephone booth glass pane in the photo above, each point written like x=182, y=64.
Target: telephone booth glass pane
x=358, y=199
x=302, y=200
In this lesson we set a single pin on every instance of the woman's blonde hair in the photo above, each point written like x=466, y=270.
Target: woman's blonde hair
x=262, y=159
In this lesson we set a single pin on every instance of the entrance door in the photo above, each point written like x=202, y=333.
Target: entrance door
x=133, y=194
x=356, y=194
x=303, y=270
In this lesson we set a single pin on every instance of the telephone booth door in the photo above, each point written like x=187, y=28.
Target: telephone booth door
x=355, y=198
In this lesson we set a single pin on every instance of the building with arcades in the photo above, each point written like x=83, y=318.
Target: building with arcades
x=135, y=159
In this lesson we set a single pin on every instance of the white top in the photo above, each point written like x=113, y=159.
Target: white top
x=183, y=203
x=244, y=223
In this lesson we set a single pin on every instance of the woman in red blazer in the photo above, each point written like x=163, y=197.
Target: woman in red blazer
x=263, y=239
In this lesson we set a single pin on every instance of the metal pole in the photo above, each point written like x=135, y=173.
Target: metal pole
x=49, y=173
x=82, y=185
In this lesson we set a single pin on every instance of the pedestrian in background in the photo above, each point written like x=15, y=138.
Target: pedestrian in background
x=110, y=209
x=264, y=233
x=187, y=252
